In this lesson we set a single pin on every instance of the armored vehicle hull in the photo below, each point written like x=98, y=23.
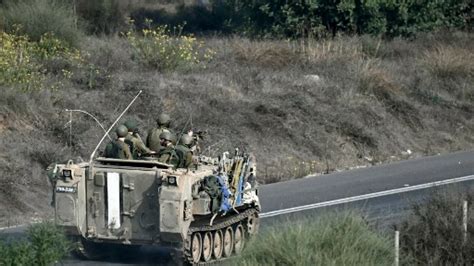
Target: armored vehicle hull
x=205, y=214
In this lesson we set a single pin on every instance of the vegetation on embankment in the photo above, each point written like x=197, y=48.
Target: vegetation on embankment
x=44, y=245
x=316, y=18
x=335, y=239
x=433, y=234
x=302, y=106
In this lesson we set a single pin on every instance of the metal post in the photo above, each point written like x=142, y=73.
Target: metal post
x=74, y=10
x=464, y=220
x=397, y=248
x=70, y=129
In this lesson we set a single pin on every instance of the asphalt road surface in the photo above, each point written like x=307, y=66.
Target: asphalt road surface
x=367, y=180
x=382, y=193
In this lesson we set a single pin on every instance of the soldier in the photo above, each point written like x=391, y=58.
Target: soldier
x=118, y=149
x=183, y=150
x=167, y=153
x=51, y=171
x=153, y=138
x=138, y=148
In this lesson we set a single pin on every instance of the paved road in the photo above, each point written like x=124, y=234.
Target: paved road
x=384, y=210
x=367, y=180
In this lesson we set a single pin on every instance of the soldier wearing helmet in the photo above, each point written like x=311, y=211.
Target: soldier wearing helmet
x=183, y=150
x=153, y=139
x=138, y=148
x=118, y=149
x=167, y=153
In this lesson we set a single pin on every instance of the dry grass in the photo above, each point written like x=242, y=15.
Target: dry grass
x=449, y=62
x=379, y=83
x=332, y=49
x=37, y=17
x=265, y=54
x=433, y=234
x=330, y=239
x=371, y=101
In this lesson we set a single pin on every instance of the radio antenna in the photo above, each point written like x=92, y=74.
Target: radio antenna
x=182, y=130
x=110, y=128
x=89, y=114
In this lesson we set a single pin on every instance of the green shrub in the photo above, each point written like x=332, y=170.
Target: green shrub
x=25, y=64
x=16, y=253
x=46, y=244
x=320, y=18
x=342, y=239
x=37, y=17
x=17, y=66
x=163, y=49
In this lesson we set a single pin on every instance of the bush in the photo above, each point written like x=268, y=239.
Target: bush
x=265, y=54
x=46, y=244
x=16, y=253
x=449, y=62
x=342, y=239
x=163, y=49
x=433, y=233
x=38, y=17
x=24, y=65
x=320, y=18
x=102, y=16
x=17, y=65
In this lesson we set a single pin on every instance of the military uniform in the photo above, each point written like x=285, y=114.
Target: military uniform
x=153, y=138
x=118, y=149
x=123, y=150
x=138, y=147
x=168, y=155
x=185, y=156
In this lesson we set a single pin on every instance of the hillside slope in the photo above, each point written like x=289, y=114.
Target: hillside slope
x=301, y=108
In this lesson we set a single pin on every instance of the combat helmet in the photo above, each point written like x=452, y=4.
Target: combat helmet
x=167, y=136
x=186, y=140
x=121, y=131
x=131, y=125
x=163, y=120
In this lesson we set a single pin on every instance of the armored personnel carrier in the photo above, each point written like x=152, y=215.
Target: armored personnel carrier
x=204, y=213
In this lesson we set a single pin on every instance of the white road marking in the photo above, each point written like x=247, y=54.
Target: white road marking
x=366, y=196
x=346, y=200
x=11, y=227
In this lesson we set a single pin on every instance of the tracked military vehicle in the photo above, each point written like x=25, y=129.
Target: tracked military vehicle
x=204, y=213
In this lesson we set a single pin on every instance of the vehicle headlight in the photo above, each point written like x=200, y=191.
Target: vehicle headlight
x=172, y=180
x=67, y=173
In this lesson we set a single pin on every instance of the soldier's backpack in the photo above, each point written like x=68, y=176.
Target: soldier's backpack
x=211, y=187
x=180, y=157
x=132, y=148
x=217, y=190
x=113, y=149
x=172, y=157
x=108, y=152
